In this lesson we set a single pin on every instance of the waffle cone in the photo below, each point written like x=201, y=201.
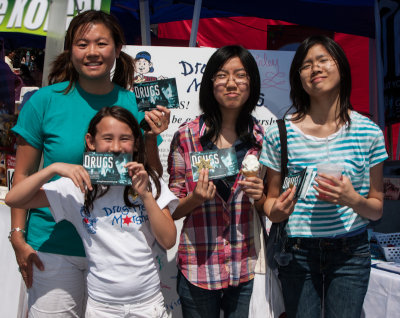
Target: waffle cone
x=249, y=173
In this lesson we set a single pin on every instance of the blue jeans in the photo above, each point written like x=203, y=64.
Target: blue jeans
x=326, y=274
x=203, y=303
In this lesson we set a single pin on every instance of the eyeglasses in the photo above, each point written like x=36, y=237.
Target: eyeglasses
x=324, y=63
x=222, y=78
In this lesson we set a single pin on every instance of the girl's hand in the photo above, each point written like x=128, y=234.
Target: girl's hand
x=158, y=120
x=284, y=204
x=335, y=191
x=140, y=178
x=205, y=189
x=76, y=173
x=253, y=187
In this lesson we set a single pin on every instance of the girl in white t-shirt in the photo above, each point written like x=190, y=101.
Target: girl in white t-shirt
x=118, y=224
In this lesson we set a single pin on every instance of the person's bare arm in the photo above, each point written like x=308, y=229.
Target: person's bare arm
x=28, y=159
x=278, y=207
x=342, y=192
x=28, y=193
x=158, y=120
x=205, y=190
x=162, y=225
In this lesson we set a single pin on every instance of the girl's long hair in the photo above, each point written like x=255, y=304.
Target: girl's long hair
x=300, y=98
x=210, y=106
x=62, y=68
x=139, y=155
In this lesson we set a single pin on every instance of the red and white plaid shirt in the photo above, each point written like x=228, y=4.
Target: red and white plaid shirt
x=216, y=247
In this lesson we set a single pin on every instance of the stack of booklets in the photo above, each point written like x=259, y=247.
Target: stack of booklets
x=302, y=180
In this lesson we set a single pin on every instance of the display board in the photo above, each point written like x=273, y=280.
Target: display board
x=187, y=65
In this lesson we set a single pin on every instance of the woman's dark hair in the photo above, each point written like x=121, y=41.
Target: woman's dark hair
x=300, y=99
x=139, y=155
x=210, y=106
x=62, y=68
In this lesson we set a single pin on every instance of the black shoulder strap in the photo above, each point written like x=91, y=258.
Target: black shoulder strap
x=284, y=154
x=277, y=228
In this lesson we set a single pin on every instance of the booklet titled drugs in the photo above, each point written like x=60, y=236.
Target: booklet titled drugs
x=302, y=180
x=220, y=163
x=162, y=92
x=107, y=168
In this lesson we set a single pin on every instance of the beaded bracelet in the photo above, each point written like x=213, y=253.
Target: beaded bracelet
x=15, y=229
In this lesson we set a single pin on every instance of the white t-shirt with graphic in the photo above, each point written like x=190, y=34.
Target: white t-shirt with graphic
x=118, y=240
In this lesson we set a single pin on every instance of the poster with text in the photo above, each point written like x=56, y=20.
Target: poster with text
x=187, y=65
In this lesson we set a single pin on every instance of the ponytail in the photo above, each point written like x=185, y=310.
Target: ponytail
x=63, y=70
x=124, y=71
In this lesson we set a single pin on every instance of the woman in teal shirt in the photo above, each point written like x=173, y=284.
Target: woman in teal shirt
x=53, y=123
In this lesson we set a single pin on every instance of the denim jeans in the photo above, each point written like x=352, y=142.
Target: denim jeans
x=328, y=274
x=203, y=303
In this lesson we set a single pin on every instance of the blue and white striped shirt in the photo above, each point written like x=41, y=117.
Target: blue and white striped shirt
x=357, y=147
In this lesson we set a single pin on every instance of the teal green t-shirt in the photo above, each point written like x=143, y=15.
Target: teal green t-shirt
x=56, y=124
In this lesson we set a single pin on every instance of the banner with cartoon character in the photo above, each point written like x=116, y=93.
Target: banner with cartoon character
x=187, y=65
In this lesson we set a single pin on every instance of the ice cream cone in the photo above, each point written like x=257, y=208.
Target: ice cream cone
x=248, y=174
x=250, y=166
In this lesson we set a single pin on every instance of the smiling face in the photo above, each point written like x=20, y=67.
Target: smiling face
x=319, y=72
x=111, y=135
x=232, y=95
x=93, y=54
x=142, y=66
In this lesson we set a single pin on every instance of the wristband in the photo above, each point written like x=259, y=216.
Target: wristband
x=15, y=229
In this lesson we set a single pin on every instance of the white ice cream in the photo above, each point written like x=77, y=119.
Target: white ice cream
x=250, y=164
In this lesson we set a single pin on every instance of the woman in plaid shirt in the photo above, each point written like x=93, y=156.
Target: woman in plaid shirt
x=216, y=254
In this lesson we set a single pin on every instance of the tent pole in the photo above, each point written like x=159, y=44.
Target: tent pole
x=373, y=85
x=380, y=101
x=145, y=21
x=379, y=69
x=55, y=34
x=195, y=23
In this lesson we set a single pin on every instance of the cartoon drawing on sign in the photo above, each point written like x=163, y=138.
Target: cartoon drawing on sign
x=143, y=65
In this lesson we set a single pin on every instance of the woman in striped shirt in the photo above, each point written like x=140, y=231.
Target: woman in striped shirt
x=330, y=267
